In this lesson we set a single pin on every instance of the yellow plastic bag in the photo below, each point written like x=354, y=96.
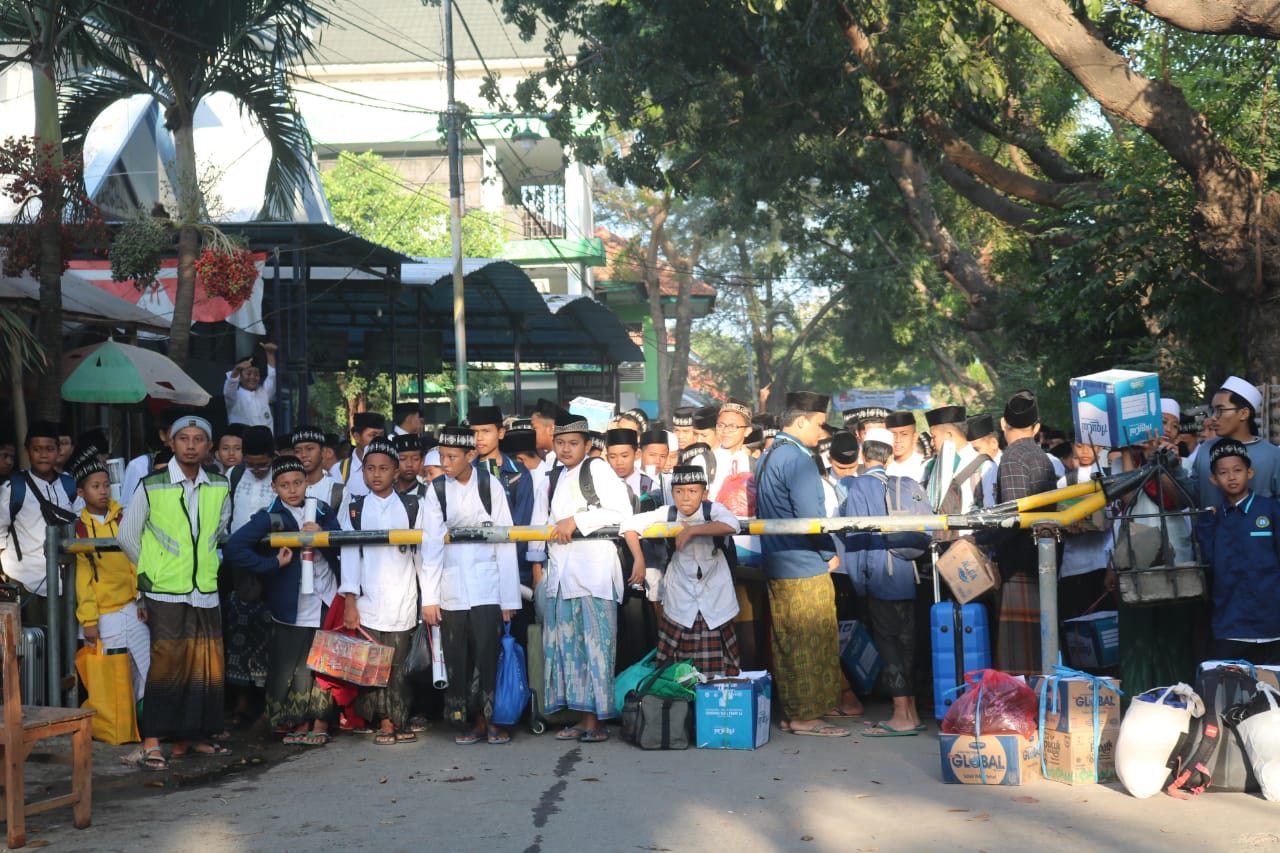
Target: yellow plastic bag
x=108, y=679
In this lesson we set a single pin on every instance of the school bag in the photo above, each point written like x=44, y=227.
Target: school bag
x=1258, y=724
x=723, y=544
x=53, y=514
x=410, y=501
x=482, y=485
x=1212, y=752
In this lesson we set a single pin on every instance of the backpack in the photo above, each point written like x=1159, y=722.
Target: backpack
x=53, y=514
x=410, y=501
x=718, y=543
x=1205, y=751
x=482, y=485
x=693, y=451
x=585, y=483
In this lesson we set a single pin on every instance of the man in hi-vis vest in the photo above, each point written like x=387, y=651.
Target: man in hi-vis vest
x=171, y=530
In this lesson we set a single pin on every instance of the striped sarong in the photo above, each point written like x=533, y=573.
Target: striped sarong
x=184, y=696
x=714, y=651
x=806, y=645
x=1018, y=640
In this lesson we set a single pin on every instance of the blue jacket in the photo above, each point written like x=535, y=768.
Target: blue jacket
x=881, y=565
x=242, y=551
x=789, y=485
x=1242, y=548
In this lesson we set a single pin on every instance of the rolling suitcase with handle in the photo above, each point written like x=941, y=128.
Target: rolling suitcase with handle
x=536, y=663
x=33, y=666
x=960, y=637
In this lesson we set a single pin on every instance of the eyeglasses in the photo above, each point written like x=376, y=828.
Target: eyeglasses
x=729, y=428
x=1217, y=411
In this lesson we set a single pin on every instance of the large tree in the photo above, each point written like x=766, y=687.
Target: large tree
x=181, y=52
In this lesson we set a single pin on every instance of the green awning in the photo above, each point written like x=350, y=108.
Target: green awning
x=557, y=250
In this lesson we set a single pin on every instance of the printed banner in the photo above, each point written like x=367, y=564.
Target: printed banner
x=915, y=397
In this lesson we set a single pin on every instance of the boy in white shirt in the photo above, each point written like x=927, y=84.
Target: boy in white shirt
x=471, y=589
x=380, y=585
x=698, y=601
x=582, y=584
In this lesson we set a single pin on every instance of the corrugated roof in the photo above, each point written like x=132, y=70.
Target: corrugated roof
x=387, y=31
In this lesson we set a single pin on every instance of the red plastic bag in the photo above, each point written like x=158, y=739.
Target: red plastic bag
x=738, y=493
x=1007, y=706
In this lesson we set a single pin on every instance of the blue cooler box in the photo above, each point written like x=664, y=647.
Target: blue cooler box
x=734, y=713
x=1116, y=408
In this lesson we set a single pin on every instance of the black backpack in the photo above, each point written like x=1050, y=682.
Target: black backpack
x=1211, y=752
x=482, y=484
x=410, y=501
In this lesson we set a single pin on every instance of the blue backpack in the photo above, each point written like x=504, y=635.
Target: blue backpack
x=53, y=514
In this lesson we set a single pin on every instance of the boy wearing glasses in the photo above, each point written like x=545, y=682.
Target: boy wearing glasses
x=1234, y=412
x=732, y=425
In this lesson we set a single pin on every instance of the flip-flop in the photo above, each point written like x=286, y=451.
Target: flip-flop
x=841, y=714
x=599, y=735
x=886, y=730
x=498, y=737
x=467, y=738
x=405, y=737
x=153, y=760
x=571, y=733
x=315, y=739
x=384, y=739
x=823, y=730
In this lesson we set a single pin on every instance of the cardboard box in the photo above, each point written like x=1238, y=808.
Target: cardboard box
x=989, y=760
x=967, y=570
x=1075, y=704
x=1068, y=756
x=734, y=713
x=1093, y=641
x=859, y=656
x=1116, y=408
x=597, y=412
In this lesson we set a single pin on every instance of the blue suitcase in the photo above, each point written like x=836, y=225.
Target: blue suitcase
x=961, y=641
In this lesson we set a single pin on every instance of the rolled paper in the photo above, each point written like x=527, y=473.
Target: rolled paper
x=308, y=554
x=439, y=675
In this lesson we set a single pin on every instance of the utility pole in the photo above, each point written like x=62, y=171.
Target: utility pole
x=454, y=153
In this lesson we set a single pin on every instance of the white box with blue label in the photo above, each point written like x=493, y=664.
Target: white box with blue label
x=1116, y=408
x=734, y=713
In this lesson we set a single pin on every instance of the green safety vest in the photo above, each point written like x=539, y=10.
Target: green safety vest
x=172, y=560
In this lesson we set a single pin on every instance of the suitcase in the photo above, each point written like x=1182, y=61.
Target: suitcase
x=960, y=637
x=536, y=664
x=33, y=666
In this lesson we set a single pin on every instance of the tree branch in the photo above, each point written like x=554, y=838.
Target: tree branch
x=1258, y=18
x=1027, y=137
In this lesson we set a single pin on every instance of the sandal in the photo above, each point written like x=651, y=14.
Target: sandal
x=405, y=737
x=152, y=759
x=315, y=739
x=295, y=738
x=571, y=733
x=384, y=739
x=467, y=738
x=599, y=735
x=497, y=737
x=821, y=730
x=417, y=724
x=210, y=748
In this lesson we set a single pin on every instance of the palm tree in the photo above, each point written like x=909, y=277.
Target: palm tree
x=49, y=36
x=179, y=52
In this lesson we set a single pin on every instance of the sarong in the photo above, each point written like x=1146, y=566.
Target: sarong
x=579, y=644
x=293, y=697
x=391, y=702
x=471, y=640
x=893, y=626
x=1018, y=640
x=806, y=645
x=184, y=684
x=247, y=634
x=714, y=651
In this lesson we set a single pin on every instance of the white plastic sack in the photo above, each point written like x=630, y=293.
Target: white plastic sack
x=1148, y=734
x=1261, y=736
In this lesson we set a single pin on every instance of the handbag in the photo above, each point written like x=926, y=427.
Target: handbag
x=108, y=678
x=511, y=696
x=632, y=677
x=654, y=721
x=358, y=660
x=417, y=663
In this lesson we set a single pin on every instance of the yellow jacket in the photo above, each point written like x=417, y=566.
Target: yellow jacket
x=105, y=580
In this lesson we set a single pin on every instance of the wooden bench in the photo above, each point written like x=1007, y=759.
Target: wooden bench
x=23, y=727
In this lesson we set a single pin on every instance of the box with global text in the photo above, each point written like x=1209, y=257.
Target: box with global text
x=1069, y=703
x=1009, y=759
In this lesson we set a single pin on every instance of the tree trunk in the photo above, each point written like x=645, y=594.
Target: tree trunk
x=653, y=286
x=19, y=406
x=684, y=267
x=190, y=205
x=49, y=221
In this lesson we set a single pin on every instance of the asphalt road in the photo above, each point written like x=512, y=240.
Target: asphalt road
x=537, y=795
